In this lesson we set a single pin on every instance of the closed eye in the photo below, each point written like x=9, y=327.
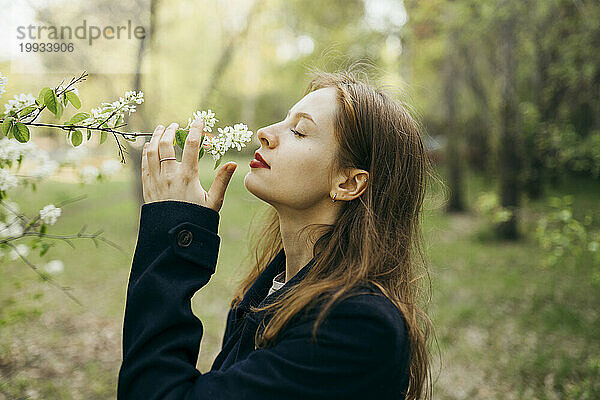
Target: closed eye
x=297, y=133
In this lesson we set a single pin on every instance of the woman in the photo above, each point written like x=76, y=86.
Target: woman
x=329, y=310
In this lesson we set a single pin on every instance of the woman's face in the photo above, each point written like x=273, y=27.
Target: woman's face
x=300, y=165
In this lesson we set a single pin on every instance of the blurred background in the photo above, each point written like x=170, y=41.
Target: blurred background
x=508, y=93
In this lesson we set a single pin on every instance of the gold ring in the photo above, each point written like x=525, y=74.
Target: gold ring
x=167, y=158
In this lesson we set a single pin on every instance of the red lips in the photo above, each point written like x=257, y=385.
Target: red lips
x=258, y=157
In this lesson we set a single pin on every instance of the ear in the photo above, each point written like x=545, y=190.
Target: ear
x=351, y=185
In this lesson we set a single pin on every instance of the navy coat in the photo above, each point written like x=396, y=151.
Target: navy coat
x=362, y=347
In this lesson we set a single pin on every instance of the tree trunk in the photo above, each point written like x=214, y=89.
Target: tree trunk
x=226, y=56
x=533, y=183
x=453, y=153
x=141, y=117
x=509, y=159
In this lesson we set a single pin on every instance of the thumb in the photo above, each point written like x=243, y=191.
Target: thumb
x=219, y=185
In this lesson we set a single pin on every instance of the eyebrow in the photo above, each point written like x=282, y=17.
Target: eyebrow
x=303, y=115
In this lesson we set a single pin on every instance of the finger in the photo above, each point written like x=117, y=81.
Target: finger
x=217, y=190
x=166, y=149
x=191, y=149
x=152, y=152
x=145, y=173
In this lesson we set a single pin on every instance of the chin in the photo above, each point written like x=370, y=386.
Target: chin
x=254, y=187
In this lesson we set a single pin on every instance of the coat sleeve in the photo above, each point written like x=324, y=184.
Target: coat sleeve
x=359, y=350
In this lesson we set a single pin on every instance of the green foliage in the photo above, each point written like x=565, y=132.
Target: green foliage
x=558, y=74
x=51, y=102
x=218, y=162
x=181, y=136
x=42, y=96
x=21, y=132
x=7, y=125
x=489, y=206
x=42, y=245
x=76, y=137
x=27, y=110
x=566, y=239
x=78, y=118
x=72, y=97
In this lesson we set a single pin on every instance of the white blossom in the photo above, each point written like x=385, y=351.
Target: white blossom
x=21, y=249
x=208, y=117
x=110, y=112
x=49, y=214
x=228, y=137
x=46, y=168
x=11, y=150
x=110, y=167
x=7, y=181
x=13, y=228
x=3, y=82
x=75, y=154
x=3, y=230
x=54, y=267
x=20, y=101
x=89, y=173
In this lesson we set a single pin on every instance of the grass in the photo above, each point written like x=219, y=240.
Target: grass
x=507, y=328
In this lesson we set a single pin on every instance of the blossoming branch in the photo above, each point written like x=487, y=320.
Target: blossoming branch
x=21, y=112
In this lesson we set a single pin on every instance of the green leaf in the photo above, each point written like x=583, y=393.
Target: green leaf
x=51, y=101
x=78, y=118
x=43, y=229
x=60, y=109
x=180, y=136
x=21, y=132
x=89, y=134
x=76, y=137
x=201, y=152
x=27, y=110
x=45, y=248
x=119, y=120
x=65, y=101
x=73, y=99
x=42, y=95
x=218, y=162
x=6, y=125
x=103, y=137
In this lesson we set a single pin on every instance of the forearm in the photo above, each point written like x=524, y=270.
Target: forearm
x=175, y=256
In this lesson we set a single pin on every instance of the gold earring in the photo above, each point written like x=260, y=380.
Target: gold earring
x=333, y=198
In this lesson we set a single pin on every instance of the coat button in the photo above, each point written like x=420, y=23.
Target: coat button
x=184, y=238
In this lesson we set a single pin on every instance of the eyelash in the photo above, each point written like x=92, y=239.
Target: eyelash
x=297, y=133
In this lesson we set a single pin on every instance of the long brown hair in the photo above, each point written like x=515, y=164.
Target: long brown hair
x=377, y=237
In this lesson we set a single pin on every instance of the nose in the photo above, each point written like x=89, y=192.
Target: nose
x=267, y=136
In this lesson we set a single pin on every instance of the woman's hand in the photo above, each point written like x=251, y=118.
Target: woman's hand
x=172, y=180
